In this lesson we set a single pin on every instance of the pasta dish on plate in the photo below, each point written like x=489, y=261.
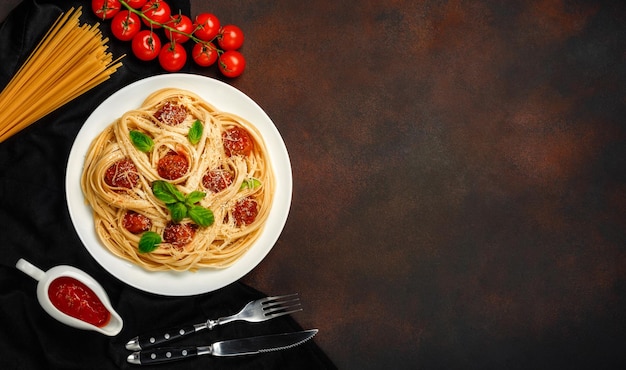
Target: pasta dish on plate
x=177, y=184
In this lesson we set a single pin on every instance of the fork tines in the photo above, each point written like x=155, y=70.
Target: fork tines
x=281, y=305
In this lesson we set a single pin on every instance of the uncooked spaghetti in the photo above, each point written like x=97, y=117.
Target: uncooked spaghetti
x=178, y=142
x=69, y=60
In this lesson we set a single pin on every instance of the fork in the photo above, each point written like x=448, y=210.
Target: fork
x=255, y=311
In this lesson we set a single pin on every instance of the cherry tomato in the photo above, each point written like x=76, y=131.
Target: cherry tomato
x=146, y=45
x=230, y=37
x=179, y=234
x=136, y=223
x=122, y=174
x=157, y=11
x=245, y=211
x=172, y=166
x=136, y=4
x=172, y=57
x=105, y=9
x=206, y=26
x=237, y=141
x=171, y=114
x=217, y=180
x=182, y=23
x=231, y=63
x=204, y=54
x=125, y=25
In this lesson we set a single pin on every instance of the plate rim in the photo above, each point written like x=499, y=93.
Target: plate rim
x=184, y=283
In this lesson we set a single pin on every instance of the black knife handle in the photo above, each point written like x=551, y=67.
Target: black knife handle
x=163, y=354
x=163, y=337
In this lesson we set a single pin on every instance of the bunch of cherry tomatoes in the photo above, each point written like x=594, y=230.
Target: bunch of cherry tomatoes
x=213, y=42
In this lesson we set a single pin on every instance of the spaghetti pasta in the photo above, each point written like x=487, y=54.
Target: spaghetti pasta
x=70, y=60
x=230, y=176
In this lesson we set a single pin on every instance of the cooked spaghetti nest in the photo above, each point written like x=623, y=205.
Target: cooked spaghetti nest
x=215, y=246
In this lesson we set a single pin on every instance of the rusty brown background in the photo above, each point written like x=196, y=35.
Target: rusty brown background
x=459, y=177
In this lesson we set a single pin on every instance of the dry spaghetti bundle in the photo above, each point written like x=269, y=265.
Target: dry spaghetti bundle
x=69, y=60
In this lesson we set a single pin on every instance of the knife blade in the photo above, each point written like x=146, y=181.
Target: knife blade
x=232, y=347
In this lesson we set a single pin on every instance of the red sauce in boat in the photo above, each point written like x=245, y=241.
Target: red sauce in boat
x=75, y=299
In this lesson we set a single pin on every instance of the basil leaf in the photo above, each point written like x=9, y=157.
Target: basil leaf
x=195, y=132
x=194, y=197
x=181, y=206
x=161, y=192
x=250, y=183
x=149, y=241
x=174, y=191
x=167, y=192
x=201, y=216
x=178, y=211
x=141, y=141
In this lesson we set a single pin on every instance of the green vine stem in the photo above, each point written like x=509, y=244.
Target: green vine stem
x=208, y=44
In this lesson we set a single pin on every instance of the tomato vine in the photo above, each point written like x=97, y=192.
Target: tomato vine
x=214, y=43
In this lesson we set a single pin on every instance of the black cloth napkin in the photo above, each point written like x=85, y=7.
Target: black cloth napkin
x=35, y=225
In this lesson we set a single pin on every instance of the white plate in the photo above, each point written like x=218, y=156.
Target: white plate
x=225, y=98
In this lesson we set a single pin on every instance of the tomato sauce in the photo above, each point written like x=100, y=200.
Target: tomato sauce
x=75, y=299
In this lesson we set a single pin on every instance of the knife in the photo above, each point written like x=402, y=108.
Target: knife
x=233, y=347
